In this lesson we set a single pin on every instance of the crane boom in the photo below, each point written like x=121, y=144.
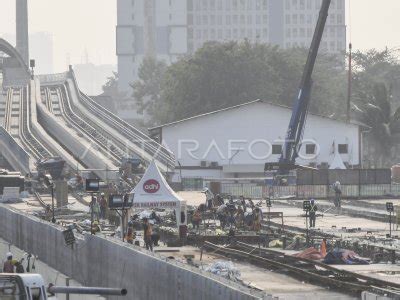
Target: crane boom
x=297, y=122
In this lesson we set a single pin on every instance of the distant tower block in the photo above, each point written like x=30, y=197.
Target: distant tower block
x=22, y=30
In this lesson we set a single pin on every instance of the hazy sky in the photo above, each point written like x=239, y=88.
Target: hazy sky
x=77, y=25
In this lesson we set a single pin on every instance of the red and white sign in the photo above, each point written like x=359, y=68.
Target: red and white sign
x=151, y=186
x=154, y=191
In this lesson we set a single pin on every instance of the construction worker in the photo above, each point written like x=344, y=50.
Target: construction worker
x=338, y=193
x=196, y=219
x=257, y=218
x=239, y=217
x=130, y=234
x=313, y=211
x=103, y=206
x=147, y=232
x=8, y=266
x=95, y=208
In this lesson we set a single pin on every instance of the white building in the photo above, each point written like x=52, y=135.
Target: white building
x=238, y=141
x=167, y=29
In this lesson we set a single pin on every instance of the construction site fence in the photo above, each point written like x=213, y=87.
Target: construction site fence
x=346, y=177
x=260, y=190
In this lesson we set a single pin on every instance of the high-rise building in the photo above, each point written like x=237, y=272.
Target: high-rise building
x=149, y=28
x=167, y=29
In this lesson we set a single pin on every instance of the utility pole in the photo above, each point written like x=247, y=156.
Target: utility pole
x=349, y=84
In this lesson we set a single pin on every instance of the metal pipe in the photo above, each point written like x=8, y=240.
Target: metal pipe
x=87, y=290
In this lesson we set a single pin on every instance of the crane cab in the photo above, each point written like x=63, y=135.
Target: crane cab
x=22, y=287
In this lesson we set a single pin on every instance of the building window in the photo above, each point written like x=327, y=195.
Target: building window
x=265, y=19
x=249, y=33
x=228, y=20
x=219, y=4
x=277, y=149
x=294, y=19
x=302, y=19
x=235, y=33
x=265, y=4
x=308, y=4
x=235, y=4
x=235, y=19
x=302, y=4
x=205, y=4
x=287, y=4
x=287, y=19
x=212, y=34
x=288, y=33
x=249, y=4
x=242, y=19
x=343, y=148
x=212, y=20
x=302, y=32
x=249, y=19
x=310, y=149
x=212, y=5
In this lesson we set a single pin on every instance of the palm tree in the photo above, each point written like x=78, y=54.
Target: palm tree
x=374, y=109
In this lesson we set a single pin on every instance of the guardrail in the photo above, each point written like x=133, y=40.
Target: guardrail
x=137, y=137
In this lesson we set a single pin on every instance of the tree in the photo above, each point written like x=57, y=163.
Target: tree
x=375, y=111
x=220, y=75
x=110, y=88
x=147, y=90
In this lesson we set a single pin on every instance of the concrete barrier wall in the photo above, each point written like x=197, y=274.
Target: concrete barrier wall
x=255, y=191
x=96, y=261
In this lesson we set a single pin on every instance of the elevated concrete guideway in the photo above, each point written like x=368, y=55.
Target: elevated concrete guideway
x=114, y=137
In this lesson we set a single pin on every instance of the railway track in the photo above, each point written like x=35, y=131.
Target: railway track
x=312, y=271
x=61, y=106
x=56, y=99
x=129, y=132
x=18, y=123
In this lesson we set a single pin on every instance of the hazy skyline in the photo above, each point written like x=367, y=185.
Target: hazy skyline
x=373, y=24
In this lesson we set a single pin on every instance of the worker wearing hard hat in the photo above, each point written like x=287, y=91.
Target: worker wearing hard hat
x=8, y=266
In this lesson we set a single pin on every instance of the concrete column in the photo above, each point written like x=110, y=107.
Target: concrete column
x=61, y=193
x=22, y=29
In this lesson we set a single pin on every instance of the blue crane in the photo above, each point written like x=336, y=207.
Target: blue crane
x=297, y=122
